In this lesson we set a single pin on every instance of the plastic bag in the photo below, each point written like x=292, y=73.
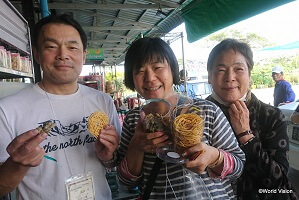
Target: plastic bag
x=198, y=187
x=192, y=187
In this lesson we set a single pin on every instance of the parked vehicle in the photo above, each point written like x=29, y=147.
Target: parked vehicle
x=201, y=88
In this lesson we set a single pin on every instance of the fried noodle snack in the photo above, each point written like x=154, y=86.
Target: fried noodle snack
x=153, y=123
x=188, y=130
x=46, y=127
x=96, y=122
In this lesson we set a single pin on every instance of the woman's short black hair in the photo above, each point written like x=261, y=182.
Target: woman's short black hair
x=58, y=19
x=145, y=50
x=235, y=45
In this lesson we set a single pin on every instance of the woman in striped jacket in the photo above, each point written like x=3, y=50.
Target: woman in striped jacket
x=151, y=69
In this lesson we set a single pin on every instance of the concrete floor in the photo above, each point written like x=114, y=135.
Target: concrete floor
x=294, y=178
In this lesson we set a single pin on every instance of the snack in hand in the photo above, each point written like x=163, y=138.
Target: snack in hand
x=96, y=122
x=153, y=123
x=188, y=130
x=46, y=127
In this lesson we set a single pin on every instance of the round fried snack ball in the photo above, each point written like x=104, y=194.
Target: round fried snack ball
x=96, y=122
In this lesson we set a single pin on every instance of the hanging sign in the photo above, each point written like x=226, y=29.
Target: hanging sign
x=95, y=54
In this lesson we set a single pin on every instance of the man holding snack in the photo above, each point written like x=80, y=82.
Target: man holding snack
x=67, y=162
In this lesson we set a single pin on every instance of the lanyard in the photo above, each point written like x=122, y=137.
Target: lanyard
x=59, y=139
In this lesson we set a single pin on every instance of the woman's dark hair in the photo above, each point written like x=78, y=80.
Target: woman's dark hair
x=58, y=19
x=145, y=50
x=235, y=45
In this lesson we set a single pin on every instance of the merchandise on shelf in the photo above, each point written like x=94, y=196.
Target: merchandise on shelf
x=94, y=80
x=110, y=88
x=3, y=57
x=8, y=59
x=15, y=61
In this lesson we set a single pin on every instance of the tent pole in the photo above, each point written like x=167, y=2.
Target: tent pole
x=184, y=69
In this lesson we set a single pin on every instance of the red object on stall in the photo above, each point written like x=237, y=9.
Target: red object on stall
x=116, y=104
x=129, y=103
x=132, y=103
x=119, y=101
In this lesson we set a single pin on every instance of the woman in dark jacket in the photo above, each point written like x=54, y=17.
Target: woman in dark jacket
x=259, y=127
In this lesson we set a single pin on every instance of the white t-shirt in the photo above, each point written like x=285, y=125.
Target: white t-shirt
x=70, y=143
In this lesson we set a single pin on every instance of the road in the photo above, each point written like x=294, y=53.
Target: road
x=266, y=95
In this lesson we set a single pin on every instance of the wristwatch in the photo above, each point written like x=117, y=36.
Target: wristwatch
x=244, y=133
x=110, y=163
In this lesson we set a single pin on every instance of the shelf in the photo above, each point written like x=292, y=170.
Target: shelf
x=6, y=73
x=14, y=36
x=13, y=27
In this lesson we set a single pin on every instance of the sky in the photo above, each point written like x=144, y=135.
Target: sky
x=279, y=25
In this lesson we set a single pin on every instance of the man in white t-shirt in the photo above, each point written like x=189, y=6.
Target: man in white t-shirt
x=67, y=163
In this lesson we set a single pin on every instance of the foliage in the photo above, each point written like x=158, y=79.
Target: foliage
x=261, y=73
x=261, y=76
x=118, y=81
x=253, y=39
x=109, y=76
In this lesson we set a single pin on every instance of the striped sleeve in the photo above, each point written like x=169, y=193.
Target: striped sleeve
x=222, y=137
x=128, y=129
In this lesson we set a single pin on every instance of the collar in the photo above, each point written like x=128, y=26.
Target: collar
x=219, y=100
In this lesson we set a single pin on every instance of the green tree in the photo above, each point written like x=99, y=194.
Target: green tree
x=254, y=40
x=262, y=71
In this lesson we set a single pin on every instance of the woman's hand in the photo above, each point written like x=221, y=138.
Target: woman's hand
x=239, y=117
x=208, y=155
x=155, y=140
x=142, y=143
x=148, y=142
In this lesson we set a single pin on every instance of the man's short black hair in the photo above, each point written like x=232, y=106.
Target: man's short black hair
x=58, y=19
x=145, y=50
x=235, y=45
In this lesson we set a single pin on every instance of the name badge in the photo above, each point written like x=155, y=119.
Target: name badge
x=80, y=187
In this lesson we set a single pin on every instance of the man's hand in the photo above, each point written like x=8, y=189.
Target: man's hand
x=24, y=150
x=107, y=143
x=25, y=153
